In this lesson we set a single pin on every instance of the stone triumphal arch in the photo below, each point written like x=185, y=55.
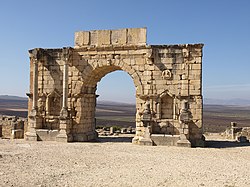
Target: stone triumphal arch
x=167, y=79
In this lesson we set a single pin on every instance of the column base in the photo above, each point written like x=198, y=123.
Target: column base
x=145, y=141
x=64, y=132
x=63, y=137
x=183, y=143
x=135, y=140
x=31, y=136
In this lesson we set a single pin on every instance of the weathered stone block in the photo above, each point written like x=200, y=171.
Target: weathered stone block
x=165, y=140
x=103, y=37
x=93, y=38
x=47, y=135
x=11, y=127
x=195, y=66
x=119, y=37
x=137, y=36
x=82, y=38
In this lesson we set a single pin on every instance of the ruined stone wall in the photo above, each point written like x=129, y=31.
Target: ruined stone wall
x=103, y=38
x=177, y=77
x=49, y=87
x=12, y=127
x=163, y=75
x=91, y=65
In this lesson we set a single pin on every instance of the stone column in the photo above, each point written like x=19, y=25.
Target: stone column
x=158, y=108
x=65, y=86
x=65, y=122
x=174, y=108
x=147, y=122
x=233, y=125
x=35, y=84
x=34, y=121
x=185, y=118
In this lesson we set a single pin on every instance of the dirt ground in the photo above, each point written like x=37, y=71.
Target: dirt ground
x=118, y=163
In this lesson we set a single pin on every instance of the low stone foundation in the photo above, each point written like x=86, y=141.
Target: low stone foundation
x=12, y=127
x=241, y=134
x=165, y=140
x=46, y=135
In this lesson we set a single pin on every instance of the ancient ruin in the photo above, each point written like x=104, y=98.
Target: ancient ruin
x=12, y=127
x=167, y=79
x=240, y=134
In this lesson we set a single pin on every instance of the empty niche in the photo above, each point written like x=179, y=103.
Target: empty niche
x=53, y=104
x=166, y=107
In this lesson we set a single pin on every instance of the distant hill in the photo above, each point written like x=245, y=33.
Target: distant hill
x=110, y=103
x=13, y=105
x=207, y=101
x=238, y=102
x=217, y=113
x=11, y=97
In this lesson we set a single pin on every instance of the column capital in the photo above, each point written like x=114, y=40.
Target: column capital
x=64, y=113
x=35, y=54
x=66, y=53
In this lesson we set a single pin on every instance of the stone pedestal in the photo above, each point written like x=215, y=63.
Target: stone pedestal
x=185, y=118
x=30, y=136
x=135, y=140
x=146, y=120
x=146, y=140
x=64, y=135
x=184, y=136
x=35, y=122
x=46, y=135
x=183, y=142
x=165, y=139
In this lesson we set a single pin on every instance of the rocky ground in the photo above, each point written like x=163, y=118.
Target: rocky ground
x=118, y=163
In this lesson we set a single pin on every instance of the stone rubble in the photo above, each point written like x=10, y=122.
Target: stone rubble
x=12, y=127
x=241, y=134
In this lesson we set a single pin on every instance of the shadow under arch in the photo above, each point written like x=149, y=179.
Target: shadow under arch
x=114, y=139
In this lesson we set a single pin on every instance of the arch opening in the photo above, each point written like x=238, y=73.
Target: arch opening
x=84, y=121
x=94, y=76
x=114, y=110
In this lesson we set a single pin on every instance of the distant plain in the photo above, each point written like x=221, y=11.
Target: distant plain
x=216, y=118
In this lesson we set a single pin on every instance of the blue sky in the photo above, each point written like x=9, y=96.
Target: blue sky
x=222, y=25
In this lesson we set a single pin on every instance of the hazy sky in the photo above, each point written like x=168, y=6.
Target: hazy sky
x=222, y=25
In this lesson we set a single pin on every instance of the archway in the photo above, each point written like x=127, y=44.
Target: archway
x=85, y=119
x=115, y=109
x=167, y=80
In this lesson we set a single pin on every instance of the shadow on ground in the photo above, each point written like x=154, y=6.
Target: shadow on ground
x=225, y=144
x=114, y=139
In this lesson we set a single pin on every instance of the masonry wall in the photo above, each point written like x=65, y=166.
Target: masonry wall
x=12, y=127
x=177, y=73
x=163, y=75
